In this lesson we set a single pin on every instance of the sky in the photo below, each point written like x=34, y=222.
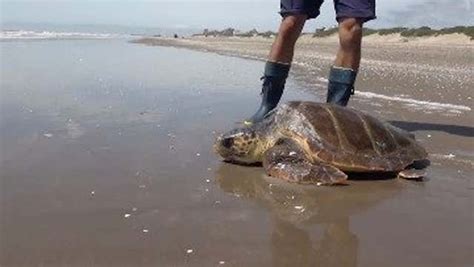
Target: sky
x=219, y=14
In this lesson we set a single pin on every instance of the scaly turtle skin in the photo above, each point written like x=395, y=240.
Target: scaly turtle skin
x=307, y=142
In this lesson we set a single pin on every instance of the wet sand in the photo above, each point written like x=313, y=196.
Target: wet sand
x=106, y=160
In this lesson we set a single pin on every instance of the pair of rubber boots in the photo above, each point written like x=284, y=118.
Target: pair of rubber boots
x=340, y=88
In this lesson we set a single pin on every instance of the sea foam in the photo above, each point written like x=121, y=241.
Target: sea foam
x=415, y=102
x=48, y=35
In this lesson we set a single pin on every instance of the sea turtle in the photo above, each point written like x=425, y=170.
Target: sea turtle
x=315, y=143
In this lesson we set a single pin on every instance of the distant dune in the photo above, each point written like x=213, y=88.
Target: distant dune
x=397, y=39
x=454, y=35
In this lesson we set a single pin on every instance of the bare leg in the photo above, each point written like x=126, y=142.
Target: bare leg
x=343, y=74
x=284, y=44
x=278, y=65
x=350, y=38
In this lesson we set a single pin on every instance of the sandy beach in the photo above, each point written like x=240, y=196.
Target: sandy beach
x=106, y=157
x=391, y=65
x=423, y=84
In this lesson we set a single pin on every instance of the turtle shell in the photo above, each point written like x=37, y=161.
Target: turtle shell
x=346, y=138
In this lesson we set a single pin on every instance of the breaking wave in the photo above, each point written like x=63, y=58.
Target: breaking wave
x=50, y=35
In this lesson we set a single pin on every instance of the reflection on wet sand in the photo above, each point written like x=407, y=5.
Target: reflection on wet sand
x=296, y=210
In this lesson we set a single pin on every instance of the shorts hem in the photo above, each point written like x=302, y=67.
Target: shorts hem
x=311, y=15
x=363, y=17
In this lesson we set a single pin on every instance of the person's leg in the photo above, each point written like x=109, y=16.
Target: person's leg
x=350, y=38
x=351, y=14
x=294, y=13
x=344, y=71
x=284, y=44
x=278, y=64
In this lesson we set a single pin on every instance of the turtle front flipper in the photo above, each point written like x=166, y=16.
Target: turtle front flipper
x=288, y=161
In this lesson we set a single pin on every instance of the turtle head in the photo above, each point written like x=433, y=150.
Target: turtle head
x=241, y=145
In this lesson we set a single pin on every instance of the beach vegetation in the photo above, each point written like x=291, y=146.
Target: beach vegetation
x=229, y=32
x=226, y=32
x=388, y=31
x=267, y=34
x=251, y=33
x=368, y=31
x=418, y=32
x=403, y=31
x=324, y=32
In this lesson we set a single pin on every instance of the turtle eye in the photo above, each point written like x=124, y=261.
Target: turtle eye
x=228, y=142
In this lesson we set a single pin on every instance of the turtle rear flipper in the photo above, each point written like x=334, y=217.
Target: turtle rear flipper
x=287, y=161
x=416, y=170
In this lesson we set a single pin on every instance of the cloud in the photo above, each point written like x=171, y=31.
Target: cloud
x=434, y=13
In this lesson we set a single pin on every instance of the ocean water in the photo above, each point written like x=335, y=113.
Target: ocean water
x=25, y=31
x=106, y=160
x=11, y=35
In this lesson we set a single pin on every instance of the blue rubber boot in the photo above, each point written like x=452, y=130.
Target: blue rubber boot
x=341, y=85
x=272, y=89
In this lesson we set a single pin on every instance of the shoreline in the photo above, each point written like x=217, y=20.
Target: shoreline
x=382, y=56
